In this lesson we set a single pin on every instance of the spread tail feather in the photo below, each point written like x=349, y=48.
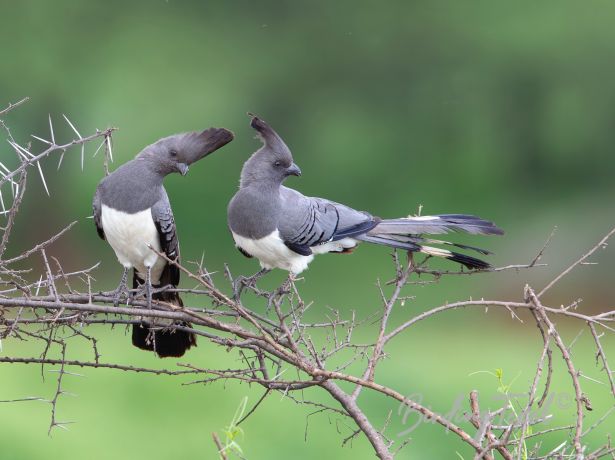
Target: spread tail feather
x=470, y=262
x=406, y=233
x=163, y=339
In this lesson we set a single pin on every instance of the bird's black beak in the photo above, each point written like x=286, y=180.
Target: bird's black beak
x=183, y=168
x=293, y=170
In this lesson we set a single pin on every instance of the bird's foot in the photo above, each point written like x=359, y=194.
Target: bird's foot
x=121, y=290
x=284, y=289
x=146, y=289
x=241, y=282
x=117, y=295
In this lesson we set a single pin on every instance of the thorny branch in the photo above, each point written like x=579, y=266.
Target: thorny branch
x=56, y=307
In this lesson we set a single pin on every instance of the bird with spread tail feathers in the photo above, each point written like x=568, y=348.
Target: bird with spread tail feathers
x=132, y=212
x=284, y=229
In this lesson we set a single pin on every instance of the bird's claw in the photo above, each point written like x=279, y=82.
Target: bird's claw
x=242, y=282
x=122, y=289
x=118, y=294
x=284, y=289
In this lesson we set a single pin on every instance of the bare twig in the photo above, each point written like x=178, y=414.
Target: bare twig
x=12, y=106
x=583, y=258
x=600, y=354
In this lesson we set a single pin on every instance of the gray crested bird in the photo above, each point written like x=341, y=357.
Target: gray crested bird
x=284, y=229
x=132, y=212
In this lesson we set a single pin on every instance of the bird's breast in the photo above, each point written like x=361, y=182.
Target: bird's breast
x=273, y=253
x=129, y=234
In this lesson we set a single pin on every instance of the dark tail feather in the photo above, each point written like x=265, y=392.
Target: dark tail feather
x=166, y=341
x=163, y=339
x=420, y=240
x=470, y=262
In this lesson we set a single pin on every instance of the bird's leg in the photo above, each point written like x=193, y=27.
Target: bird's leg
x=148, y=295
x=148, y=287
x=242, y=282
x=121, y=289
x=285, y=288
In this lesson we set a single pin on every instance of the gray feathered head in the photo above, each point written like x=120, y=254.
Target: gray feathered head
x=273, y=162
x=176, y=153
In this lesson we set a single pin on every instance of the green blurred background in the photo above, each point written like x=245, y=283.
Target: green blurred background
x=501, y=109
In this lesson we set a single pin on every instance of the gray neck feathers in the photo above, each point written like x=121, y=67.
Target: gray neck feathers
x=254, y=210
x=133, y=187
x=249, y=172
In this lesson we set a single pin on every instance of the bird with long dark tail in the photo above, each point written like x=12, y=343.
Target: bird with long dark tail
x=132, y=212
x=284, y=229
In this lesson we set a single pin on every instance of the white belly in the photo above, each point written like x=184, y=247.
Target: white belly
x=273, y=253
x=129, y=236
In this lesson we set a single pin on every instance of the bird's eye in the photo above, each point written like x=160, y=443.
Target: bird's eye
x=277, y=163
x=173, y=153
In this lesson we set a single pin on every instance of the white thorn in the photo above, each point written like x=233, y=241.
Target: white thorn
x=4, y=167
x=38, y=285
x=20, y=148
x=80, y=138
x=12, y=182
x=18, y=151
x=108, y=139
x=99, y=147
x=41, y=139
x=40, y=170
x=72, y=126
x=53, y=138
x=61, y=158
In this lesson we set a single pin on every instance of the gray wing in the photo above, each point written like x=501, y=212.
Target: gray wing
x=306, y=222
x=167, y=232
x=96, y=213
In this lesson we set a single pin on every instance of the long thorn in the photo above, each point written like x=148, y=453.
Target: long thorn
x=41, y=139
x=40, y=170
x=80, y=138
x=61, y=158
x=53, y=137
x=99, y=147
x=108, y=138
